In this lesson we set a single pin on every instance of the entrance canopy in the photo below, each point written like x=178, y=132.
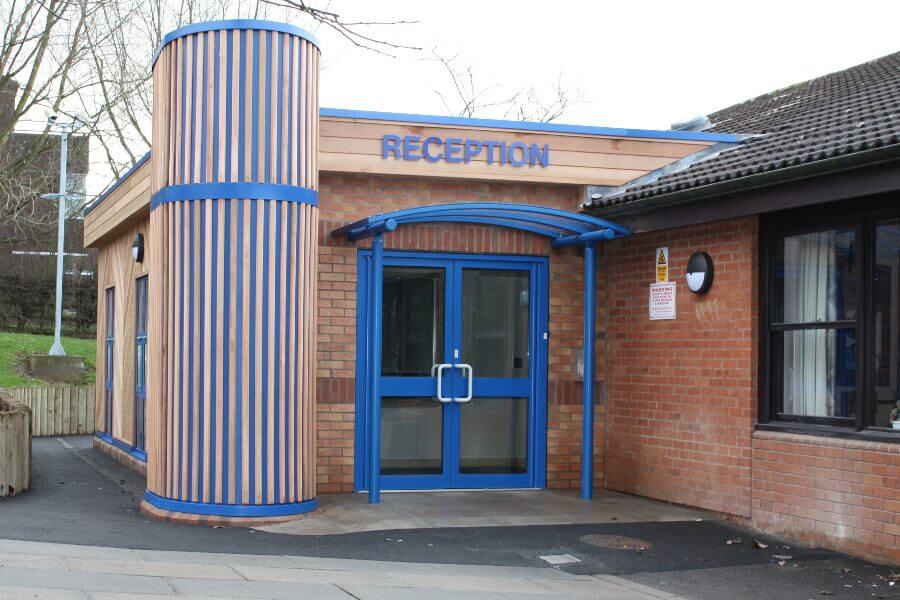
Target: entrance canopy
x=564, y=228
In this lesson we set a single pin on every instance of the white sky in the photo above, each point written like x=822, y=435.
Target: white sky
x=634, y=63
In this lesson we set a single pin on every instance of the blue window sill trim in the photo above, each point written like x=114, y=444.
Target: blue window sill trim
x=141, y=455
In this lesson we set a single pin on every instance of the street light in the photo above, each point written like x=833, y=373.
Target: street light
x=65, y=128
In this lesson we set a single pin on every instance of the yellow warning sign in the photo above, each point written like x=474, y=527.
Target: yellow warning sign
x=662, y=265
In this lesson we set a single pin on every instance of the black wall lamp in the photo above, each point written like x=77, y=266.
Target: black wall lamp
x=699, y=272
x=137, y=248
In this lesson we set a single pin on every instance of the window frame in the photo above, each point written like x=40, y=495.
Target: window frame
x=140, y=342
x=773, y=228
x=109, y=358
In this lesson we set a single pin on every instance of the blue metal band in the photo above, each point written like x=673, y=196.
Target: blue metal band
x=257, y=24
x=141, y=455
x=231, y=510
x=234, y=190
x=667, y=134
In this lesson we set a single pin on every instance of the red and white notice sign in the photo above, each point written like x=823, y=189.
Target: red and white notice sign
x=662, y=301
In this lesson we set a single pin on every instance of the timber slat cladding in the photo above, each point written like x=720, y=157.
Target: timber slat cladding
x=62, y=410
x=232, y=294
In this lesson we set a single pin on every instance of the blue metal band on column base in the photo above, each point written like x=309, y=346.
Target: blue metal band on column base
x=238, y=190
x=231, y=510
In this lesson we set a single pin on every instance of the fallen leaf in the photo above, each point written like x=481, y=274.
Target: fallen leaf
x=782, y=557
x=759, y=545
x=734, y=541
x=824, y=593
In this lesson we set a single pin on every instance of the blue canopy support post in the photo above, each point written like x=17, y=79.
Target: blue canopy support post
x=375, y=424
x=587, y=435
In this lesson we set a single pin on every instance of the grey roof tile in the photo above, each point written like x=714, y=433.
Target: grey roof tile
x=839, y=114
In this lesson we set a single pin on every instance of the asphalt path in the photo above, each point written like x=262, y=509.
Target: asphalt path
x=81, y=496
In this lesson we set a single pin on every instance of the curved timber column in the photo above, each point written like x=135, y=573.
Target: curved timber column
x=233, y=255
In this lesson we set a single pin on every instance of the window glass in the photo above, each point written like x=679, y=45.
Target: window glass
x=411, y=436
x=819, y=372
x=493, y=436
x=814, y=278
x=413, y=321
x=495, y=322
x=886, y=318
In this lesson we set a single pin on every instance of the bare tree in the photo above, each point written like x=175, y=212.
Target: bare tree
x=466, y=97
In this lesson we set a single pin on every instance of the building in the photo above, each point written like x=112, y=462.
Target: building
x=770, y=397
x=271, y=269
x=29, y=167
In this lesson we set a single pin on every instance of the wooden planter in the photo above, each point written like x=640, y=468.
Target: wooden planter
x=15, y=448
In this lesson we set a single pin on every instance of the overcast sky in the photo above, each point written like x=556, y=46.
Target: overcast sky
x=636, y=63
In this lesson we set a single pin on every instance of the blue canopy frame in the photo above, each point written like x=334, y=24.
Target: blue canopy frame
x=564, y=228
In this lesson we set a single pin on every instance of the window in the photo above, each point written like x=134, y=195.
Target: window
x=140, y=361
x=108, y=363
x=830, y=284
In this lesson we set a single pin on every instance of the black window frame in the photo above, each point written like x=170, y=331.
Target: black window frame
x=861, y=214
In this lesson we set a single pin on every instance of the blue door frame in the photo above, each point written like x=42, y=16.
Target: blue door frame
x=534, y=387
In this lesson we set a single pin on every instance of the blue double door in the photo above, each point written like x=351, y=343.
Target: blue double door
x=463, y=377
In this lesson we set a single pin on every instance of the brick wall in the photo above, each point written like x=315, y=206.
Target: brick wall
x=841, y=494
x=681, y=394
x=346, y=198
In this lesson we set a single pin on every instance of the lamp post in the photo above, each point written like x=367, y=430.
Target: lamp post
x=65, y=128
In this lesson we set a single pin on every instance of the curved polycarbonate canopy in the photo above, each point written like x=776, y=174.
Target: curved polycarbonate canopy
x=564, y=228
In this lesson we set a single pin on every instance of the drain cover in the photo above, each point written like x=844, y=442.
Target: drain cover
x=616, y=542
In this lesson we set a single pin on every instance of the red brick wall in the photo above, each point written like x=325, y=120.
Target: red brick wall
x=346, y=198
x=681, y=394
x=841, y=494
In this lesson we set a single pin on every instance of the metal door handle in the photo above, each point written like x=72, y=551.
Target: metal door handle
x=438, y=371
x=468, y=396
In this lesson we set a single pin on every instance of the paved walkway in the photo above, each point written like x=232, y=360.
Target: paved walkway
x=60, y=571
x=351, y=513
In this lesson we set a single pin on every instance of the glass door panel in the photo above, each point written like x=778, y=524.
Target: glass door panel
x=493, y=436
x=412, y=436
x=413, y=316
x=493, y=411
x=414, y=445
x=495, y=321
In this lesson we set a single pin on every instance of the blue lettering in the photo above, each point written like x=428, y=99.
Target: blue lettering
x=410, y=145
x=540, y=154
x=454, y=147
x=456, y=150
x=390, y=144
x=473, y=147
x=428, y=155
x=512, y=154
x=490, y=151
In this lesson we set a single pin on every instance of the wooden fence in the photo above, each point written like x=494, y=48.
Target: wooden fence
x=64, y=410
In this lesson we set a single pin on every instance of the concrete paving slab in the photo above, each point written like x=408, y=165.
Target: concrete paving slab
x=67, y=580
x=335, y=577
x=274, y=590
x=9, y=592
x=349, y=513
x=218, y=558
x=152, y=569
